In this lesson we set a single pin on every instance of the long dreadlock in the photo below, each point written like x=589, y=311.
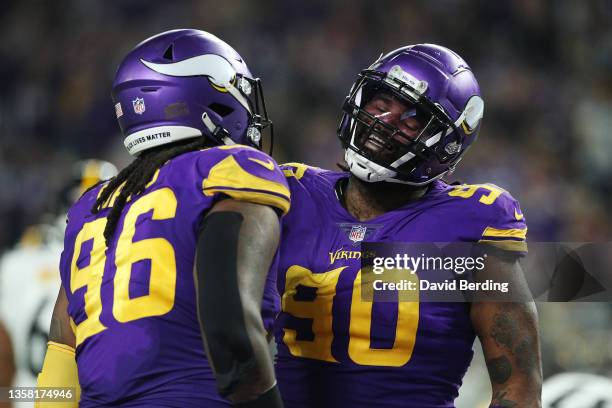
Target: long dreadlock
x=133, y=179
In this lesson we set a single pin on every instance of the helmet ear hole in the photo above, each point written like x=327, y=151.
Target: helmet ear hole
x=169, y=53
x=221, y=109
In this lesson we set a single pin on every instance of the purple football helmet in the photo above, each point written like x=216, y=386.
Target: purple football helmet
x=184, y=84
x=438, y=89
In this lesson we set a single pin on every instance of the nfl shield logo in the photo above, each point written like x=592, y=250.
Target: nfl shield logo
x=357, y=233
x=139, y=105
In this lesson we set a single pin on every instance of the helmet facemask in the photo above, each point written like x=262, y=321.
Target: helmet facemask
x=398, y=153
x=249, y=93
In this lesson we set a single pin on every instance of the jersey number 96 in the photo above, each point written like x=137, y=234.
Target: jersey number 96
x=158, y=251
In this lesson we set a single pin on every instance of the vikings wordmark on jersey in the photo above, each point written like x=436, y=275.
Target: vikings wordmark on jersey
x=336, y=349
x=133, y=305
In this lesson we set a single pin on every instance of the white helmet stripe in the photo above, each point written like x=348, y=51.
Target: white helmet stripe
x=217, y=68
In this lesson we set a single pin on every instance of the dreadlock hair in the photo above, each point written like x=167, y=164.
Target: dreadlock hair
x=136, y=176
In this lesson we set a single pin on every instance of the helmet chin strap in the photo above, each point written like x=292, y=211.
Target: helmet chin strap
x=212, y=128
x=365, y=169
x=370, y=172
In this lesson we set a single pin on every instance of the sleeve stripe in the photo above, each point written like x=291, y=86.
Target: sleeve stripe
x=517, y=246
x=63, y=348
x=491, y=238
x=298, y=170
x=228, y=173
x=254, y=196
x=505, y=233
x=225, y=189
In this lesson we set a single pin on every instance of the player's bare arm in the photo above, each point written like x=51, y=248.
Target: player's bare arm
x=508, y=332
x=60, y=330
x=235, y=250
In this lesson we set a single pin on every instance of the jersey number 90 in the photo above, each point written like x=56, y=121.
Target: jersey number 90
x=320, y=311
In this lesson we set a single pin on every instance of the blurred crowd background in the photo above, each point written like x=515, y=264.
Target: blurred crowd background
x=544, y=68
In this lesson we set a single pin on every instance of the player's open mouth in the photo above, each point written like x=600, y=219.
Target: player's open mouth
x=378, y=142
x=382, y=148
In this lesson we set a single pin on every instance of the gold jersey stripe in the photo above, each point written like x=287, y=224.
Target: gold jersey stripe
x=232, y=147
x=519, y=246
x=505, y=233
x=300, y=169
x=228, y=176
x=256, y=197
x=267, y=164
x=517, y=215
x=64, y=348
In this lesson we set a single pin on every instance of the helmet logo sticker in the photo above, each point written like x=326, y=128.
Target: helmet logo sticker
x=452, y=148
x=397, y=74
x=139, y=106
x=176, y=110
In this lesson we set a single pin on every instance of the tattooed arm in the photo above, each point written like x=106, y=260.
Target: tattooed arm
x=508, y=332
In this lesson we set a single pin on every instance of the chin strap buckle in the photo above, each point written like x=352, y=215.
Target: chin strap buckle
x=217, y=131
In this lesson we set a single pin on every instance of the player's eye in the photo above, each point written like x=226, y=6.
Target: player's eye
x=412, y=125
x=410, y=120
x=376, y=106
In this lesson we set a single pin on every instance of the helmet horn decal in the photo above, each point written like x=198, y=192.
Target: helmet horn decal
x=473, y=112
x=215, y=67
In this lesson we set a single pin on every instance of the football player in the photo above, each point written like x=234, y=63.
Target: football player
x=172, y=256
x=29, y=276
x=407, y=122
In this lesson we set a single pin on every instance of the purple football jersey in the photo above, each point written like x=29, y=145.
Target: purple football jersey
x=337, y=350
x=133, y=305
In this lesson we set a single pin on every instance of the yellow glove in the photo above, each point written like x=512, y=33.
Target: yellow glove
x=59, y=370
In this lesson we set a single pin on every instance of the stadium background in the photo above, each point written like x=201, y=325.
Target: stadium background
x=544, y=69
